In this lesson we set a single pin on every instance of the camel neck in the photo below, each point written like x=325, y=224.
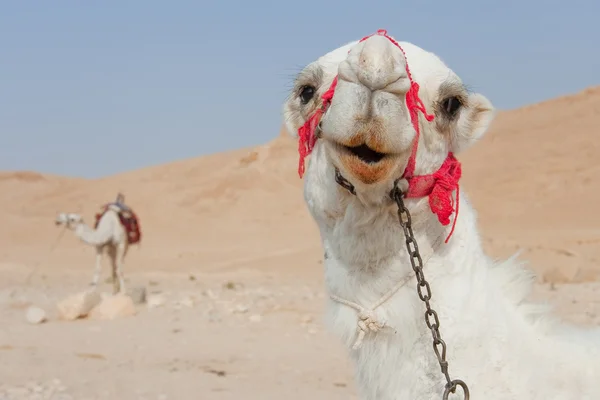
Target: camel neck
x=366, y=257
x=376, y=234
x=100, y=236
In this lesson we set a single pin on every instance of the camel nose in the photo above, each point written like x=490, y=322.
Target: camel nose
x=377, y=64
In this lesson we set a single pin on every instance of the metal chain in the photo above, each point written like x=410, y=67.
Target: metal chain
x=424, y=291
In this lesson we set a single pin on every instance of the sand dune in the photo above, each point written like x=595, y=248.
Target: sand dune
x=531, y=179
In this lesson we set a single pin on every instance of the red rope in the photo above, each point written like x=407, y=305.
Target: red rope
x=306, y=133
x=414, y=105
x=437, y=186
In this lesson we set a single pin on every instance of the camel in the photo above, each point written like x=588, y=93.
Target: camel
x=112, y=235
x=382, y=123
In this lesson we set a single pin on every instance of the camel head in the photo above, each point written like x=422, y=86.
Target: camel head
x=357, y=101
x=70, y=220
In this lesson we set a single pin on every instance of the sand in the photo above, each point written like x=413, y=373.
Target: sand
x=233, y=267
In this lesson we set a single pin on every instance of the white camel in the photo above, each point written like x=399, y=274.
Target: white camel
x=109, y=237
x=363, y=140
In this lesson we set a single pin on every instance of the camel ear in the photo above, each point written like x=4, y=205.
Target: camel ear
x=290, y=120
x=473, y=122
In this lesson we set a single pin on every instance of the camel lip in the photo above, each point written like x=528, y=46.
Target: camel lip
x=363, y=153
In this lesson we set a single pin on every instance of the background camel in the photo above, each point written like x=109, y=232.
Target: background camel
x=376, y=131
x=115, y=229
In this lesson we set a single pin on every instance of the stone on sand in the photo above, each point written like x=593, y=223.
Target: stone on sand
x=255, y=318
x=78, y=305
x=35, y=315
x=137, y=294
x=156, y=300
x=112, y=307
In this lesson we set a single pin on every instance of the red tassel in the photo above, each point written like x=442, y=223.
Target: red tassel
x=306, y=133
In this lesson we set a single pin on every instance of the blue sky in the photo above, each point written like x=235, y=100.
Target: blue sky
x=171, y=80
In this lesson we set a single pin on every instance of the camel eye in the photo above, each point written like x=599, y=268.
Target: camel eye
x=451, y=105
x=306, y=93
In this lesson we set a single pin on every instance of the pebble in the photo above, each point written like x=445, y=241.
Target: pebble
x=138, y=294
x=156, y=300
x=210, y=294
x=255, y=318
x=240, y=309
x=35, y=315
x=186, y=302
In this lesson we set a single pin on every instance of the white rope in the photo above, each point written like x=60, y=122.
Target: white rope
x=367, y=321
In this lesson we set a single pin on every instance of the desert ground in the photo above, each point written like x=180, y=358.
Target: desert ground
x=232, y=265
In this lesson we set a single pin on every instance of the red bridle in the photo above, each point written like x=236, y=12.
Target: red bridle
x=437, y=186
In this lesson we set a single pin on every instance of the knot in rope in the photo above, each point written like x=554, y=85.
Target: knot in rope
x=367, y=322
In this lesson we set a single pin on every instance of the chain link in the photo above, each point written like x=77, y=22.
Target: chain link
x=424, y=292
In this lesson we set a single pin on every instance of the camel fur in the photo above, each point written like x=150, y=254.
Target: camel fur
x=502, y=345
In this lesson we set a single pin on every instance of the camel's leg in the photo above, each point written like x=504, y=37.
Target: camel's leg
x=97, y=268
x=114, y=265
x=113, y=262
x=119, y=284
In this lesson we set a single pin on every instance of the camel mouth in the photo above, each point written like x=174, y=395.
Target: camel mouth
x=362, y=162
x=364, y=153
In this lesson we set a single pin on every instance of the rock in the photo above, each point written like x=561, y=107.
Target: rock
x=117, y=306
x=255, y=318
x=78, y=305
x=137, y=294
x=156, y=300
x=185, y=302
x=240, y=309
x=35, y=315
x=210, y=294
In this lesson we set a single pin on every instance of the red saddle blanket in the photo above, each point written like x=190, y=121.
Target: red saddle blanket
x=128, y=219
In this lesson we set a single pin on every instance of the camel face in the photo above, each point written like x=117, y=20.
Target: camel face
x=70, y=220
x=367, y=129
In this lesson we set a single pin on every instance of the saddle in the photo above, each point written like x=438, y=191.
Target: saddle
x=128, y=219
